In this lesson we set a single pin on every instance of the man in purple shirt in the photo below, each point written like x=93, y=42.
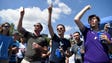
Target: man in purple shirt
x=95, y=43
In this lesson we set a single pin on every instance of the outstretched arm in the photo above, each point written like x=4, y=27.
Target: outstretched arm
x=20, y=28
x=49, y=22
x=79, y=16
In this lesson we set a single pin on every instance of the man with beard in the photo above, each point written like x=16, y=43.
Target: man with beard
x=36, y=42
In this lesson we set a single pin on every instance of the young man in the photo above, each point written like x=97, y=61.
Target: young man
x=95, y=45
x=59, y=43
x=77, y=48
x=35, y=42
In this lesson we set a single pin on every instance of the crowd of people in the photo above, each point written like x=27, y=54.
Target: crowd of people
x=23, y=46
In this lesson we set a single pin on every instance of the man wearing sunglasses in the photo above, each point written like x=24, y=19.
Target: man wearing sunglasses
x=59, y=43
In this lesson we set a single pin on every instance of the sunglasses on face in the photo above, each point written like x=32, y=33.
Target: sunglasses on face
x=59, y=28
x=37, y=25
x=6, y=26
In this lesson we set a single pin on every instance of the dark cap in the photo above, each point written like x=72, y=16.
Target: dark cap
x=15, y=33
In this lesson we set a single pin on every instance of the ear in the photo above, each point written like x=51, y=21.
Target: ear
x=89, y=22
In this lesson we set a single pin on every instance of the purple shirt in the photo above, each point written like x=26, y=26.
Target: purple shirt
x=94, y=50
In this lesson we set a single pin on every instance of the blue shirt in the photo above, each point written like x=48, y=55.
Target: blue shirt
x=12, y=57
x=5, y=42
x=94, y=50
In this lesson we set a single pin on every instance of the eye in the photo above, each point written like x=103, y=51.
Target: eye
x=59, y=28
x=36, y=25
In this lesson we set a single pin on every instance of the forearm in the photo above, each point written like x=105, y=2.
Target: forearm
x=49, y=22
x=81, y=13
x=20, y=24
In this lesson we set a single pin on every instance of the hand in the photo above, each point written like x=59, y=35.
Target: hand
x=87, y=7
x=104, y=37
x=82, y=51
x=50, y=8
x=35, y=45
x=22, y=12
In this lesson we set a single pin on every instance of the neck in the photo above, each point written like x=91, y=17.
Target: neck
x=61, y=36
x=78, y=40
x=4, y=33
x=37, y=33
x=95, y=28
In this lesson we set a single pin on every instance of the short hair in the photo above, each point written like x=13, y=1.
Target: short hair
x=61, y=25
x=77, y=32
x=91, y=16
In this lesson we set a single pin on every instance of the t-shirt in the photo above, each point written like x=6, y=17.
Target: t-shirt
x=94, y=50
x=12, y=56
x=32, y=54
x=55, y=44
x=22, y=49
x=5, y=43
x=76, y=48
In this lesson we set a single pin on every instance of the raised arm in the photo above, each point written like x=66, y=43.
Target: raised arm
x=79, y=16
x=19, y=27
x=49, y=22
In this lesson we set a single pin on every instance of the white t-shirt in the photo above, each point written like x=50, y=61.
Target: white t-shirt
x=22, y=47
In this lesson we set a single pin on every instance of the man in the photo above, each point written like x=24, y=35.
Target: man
x=35, y=42
x=77, y=48
x=95, y=46
x=59, y=43
x=108, y=29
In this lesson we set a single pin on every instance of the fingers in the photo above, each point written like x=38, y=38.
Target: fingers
x=104, y=37
x=50, y=8
x=88, y=7
x=22, y=12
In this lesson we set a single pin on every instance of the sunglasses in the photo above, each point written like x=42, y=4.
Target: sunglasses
x=59, y=28
x=37, y=25
x=6, y=26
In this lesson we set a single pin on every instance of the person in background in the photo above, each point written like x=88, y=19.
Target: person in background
x=22, y=49
x=15, y=47
x=78, y=48
x=108, y=29
x=35, y=42
x=59, y=43
x=95, y=42
x=5, y=42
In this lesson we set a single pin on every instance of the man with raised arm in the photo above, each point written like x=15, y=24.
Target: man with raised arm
x=59, y=43
x=35, y=42
x=95, y=44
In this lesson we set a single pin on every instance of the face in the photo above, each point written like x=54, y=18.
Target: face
x=60, y=29
x=16, y=36
x=106, y=26
x=37, y=28
x=76, y=36
x=6, y=27
x=93, y=22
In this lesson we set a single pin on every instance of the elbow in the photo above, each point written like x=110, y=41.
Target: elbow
x=19, y=29
x=76, y=19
